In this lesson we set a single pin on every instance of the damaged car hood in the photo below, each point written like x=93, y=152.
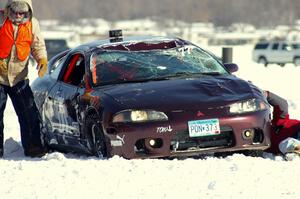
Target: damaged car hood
x=184, y=93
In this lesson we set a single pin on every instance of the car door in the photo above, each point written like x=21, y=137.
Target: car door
x=62, y=102
x=274, y=53
x=281, y=53
x=286, y=53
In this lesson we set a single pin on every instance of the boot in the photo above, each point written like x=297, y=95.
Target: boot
x=35, y=151
x=297, y=149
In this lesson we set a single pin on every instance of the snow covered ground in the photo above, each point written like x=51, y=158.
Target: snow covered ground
x=58, y=175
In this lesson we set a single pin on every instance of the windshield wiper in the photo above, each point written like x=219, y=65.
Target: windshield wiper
x=212, y=73
x=184, y=74
x=124, y=81
x=179, y=74
x=167, y=77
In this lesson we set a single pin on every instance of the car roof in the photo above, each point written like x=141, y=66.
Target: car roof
x=129, y=40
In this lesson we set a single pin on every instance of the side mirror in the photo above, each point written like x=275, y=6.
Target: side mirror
x=231, y=67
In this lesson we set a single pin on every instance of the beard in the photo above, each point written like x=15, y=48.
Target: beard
x=17, y=21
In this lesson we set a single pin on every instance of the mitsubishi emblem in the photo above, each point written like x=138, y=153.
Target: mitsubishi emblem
x=199, y=114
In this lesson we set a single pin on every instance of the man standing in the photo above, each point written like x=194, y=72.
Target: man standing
x=20, y=36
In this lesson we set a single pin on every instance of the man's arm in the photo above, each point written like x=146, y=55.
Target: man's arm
x=279, y=104
x=38, y=47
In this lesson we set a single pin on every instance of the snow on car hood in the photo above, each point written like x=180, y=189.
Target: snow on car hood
x=188, y=93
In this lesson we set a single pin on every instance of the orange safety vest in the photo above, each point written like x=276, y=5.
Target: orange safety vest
x=22, y=42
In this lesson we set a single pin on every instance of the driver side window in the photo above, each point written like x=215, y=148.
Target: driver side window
x=74, y=73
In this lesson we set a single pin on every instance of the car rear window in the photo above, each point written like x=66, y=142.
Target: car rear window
x=261, y=46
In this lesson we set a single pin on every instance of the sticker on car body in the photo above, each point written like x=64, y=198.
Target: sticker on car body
x=163, y=129
x=119, y=142
x=116, y=143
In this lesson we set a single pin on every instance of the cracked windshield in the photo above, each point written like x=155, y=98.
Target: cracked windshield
x=116, y=66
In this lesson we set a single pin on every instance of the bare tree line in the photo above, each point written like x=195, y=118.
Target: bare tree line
x=219, y=12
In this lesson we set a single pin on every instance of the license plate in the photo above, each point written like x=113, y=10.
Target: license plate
x=199, y=128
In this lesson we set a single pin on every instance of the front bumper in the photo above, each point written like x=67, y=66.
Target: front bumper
x=171, y=139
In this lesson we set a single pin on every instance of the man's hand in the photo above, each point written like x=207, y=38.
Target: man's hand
x=3, y=66
x=42, y=67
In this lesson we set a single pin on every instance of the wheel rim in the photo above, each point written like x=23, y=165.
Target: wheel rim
x=98, y=143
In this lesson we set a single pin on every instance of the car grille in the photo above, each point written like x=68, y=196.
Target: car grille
x=182, y=142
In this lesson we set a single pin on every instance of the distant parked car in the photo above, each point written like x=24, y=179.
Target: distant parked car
x=145, y=97
x=279, y=52
x=59, y=41
x=55, y=46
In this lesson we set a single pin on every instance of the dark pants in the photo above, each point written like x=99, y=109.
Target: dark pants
x=22, y=99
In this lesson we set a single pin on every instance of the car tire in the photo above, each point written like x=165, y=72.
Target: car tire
x=297, y=61
x=263, y=60
x=281, y=64
x=95, y=137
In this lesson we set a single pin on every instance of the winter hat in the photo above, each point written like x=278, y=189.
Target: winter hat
x=21, y=7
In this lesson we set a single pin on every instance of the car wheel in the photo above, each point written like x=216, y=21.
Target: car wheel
x=95, y=137
x=263, y=60
x=297, y=61
x=281, y=64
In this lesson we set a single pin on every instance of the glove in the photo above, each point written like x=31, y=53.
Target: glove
x=42, y=67
x=3, y=66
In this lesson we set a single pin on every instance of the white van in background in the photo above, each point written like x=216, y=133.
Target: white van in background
x=279, y=52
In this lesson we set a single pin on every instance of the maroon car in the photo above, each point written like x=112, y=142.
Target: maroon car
x=145, y=97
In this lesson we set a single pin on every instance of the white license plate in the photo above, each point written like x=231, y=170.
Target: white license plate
x=204, y=127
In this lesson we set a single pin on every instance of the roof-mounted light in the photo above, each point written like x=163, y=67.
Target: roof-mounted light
x=115, y=36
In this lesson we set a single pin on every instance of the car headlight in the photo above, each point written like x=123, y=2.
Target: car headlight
x=139, y=116
x=247, y=106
